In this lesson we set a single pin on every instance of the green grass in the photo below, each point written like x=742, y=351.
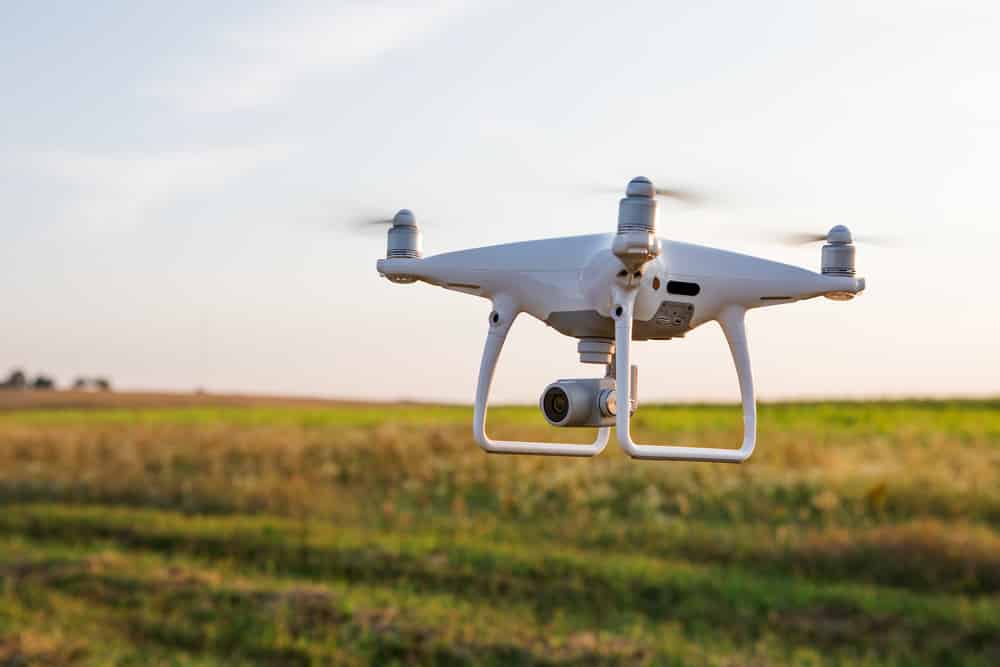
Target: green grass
x=211, y=533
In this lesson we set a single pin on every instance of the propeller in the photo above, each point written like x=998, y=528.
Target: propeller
x=367, y=222
x=684, y=195
x=369, y=225
x=805, y=238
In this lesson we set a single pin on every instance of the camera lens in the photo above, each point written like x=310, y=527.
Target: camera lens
x=556, y=404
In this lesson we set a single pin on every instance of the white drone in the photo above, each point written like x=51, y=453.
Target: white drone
x=608, y=290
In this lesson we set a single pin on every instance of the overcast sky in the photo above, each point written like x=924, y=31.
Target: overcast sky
x=177, y=184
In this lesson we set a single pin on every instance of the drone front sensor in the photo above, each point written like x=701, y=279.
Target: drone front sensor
x=608, y=290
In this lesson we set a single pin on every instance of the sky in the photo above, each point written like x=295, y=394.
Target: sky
x=178, y=183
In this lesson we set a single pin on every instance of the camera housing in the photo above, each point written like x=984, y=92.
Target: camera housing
x=580, y=402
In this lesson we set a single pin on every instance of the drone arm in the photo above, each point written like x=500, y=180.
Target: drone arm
x=500, y=321
x=732, y=322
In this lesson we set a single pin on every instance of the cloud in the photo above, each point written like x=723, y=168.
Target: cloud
x=260, y=63
x=116, y=189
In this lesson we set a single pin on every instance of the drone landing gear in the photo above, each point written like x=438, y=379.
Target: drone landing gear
x=732, y=322
x=500, y=321
x=734, y=328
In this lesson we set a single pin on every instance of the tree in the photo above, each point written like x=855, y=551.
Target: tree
x=16, y=380
x=43, y=382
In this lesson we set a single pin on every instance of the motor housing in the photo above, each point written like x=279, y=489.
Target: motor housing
x=403, y=242
x=636, y=242
x=838, y=255
x=404, y=237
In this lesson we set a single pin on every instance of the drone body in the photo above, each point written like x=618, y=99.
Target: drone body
x=607, y=290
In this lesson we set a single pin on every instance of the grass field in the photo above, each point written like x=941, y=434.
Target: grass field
x=202, y=530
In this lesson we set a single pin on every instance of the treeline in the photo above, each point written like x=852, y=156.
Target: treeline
x=19, y=380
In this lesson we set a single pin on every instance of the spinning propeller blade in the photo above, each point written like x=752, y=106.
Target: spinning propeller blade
x=801, y=238
x=370, y=225
x=805, y=238
x=685, y=195
x=371, y=222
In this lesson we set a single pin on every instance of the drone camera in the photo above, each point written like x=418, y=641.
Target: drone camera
x=580, y=402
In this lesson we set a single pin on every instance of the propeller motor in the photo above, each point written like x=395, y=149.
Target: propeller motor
x=838, y=253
